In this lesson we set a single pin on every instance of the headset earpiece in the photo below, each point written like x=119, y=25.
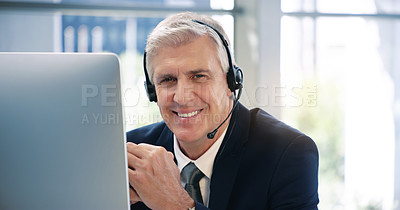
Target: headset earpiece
x=151, y=92
x=235, y=78
x=238, y=76
x=150, y=88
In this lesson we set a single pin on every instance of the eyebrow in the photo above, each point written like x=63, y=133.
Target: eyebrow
x=164, y=75
x=198, y=71
x=191, y=72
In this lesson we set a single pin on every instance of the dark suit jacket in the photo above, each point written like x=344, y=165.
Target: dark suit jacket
x=262, y=163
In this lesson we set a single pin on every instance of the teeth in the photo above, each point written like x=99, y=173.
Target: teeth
x=191, y=114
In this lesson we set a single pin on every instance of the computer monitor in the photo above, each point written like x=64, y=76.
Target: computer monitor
x=62, y=138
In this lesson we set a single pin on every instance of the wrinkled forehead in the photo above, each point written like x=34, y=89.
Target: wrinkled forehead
x=200, y=50
x=172, y=44
x=182, y=41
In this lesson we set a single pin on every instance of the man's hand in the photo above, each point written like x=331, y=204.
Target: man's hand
x=155, y=178
x=133, y=196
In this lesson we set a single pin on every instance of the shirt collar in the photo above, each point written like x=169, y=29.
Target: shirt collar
x=205, y=162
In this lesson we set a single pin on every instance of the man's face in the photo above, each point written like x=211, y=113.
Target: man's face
x=192, y=92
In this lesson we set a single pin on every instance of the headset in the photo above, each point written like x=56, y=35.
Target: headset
x=234, y=78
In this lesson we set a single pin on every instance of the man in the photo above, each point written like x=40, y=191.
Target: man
x=251, y=161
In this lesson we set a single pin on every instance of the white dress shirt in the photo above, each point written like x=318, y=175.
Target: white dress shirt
x=204, y=163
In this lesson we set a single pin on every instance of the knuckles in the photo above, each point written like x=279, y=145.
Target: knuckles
x=157, y=153
x=147, y=167
x=160, y=151
x=150, y=154
x=130, y=146
x=140, y=178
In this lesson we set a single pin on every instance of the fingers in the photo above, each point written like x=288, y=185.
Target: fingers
x=131, y=176
x=133, y=196
x=146, y=158
x=138, y=161
x=135, y=149
x=171, y=155
x=135, y=178
x=141, y=150
x=133, y=161
x=150, y=147
x=152, y=171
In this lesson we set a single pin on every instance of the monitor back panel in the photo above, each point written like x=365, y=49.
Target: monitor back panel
x=62, y=139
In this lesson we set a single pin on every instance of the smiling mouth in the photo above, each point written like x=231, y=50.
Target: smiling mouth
x=187, y=115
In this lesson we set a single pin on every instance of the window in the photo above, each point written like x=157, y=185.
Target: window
x=346, y=50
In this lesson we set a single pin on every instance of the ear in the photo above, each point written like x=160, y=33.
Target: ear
x=229, y=92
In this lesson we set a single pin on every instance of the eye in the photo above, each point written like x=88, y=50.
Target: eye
x=167, y=80
x=198, y=76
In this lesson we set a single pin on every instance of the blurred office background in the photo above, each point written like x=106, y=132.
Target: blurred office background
x=330, y=68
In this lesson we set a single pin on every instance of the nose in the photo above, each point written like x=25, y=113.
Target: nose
x=183, y=94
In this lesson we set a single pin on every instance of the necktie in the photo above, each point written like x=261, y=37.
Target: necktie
x=192, y=176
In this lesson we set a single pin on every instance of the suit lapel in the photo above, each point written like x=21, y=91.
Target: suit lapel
x=228, y=158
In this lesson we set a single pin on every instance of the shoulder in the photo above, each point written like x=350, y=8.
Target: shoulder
x=146, y=134
x=290, y=160
x=269, y=139
x=270, y=130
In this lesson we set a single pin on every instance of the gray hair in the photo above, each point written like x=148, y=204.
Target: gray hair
x=180, y=29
